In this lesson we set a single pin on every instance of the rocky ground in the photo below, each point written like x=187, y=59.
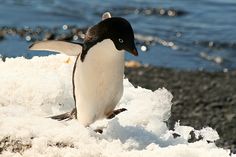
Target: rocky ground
x=200, y=98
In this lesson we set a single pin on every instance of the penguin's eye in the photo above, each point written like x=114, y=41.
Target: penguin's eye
x=121, y=40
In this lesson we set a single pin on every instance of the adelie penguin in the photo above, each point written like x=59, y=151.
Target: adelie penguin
x=98, y=69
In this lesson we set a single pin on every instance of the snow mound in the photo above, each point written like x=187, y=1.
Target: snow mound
x=33, y=89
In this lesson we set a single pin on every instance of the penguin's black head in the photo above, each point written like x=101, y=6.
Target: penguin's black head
x=117, y=29
x=120, y=32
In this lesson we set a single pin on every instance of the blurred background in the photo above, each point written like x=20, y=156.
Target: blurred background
x=189, y=45
x=180, y=34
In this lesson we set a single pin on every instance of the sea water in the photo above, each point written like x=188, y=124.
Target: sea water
x=201, y=36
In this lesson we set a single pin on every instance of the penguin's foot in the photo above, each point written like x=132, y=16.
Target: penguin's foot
x=65, y=116
x=116, y=112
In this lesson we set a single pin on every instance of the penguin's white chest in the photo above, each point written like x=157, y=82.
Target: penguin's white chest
x=98, y=82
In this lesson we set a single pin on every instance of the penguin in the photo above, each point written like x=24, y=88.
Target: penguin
x=98, y=69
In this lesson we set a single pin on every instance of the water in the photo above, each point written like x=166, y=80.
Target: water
x=204, y=35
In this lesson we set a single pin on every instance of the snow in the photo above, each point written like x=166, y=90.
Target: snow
x=32, y=90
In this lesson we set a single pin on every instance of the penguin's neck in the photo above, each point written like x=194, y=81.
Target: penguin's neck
x=104, y=54
x=103, y=65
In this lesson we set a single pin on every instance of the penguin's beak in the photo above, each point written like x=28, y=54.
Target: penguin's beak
x=134, y=51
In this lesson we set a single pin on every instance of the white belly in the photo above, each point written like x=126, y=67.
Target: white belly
x=98, y=82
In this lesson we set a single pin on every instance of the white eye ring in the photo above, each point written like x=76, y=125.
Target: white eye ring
x=121, y=40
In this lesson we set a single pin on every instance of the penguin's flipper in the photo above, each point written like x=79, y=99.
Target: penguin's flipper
x=70, y=49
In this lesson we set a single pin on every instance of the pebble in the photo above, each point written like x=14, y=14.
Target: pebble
x=132, y=64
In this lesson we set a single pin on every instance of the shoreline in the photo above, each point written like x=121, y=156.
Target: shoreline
x=201, y=98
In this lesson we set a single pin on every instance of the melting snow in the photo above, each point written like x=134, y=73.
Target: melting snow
x=33, y=89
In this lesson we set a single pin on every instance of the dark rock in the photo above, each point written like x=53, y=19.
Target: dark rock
x=193, y=137
x=175, y=135
x=1, y=36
